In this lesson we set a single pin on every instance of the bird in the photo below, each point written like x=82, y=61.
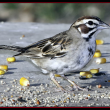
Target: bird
x=65, y=52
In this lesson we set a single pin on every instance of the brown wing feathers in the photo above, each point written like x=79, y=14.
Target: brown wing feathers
x=51, y=47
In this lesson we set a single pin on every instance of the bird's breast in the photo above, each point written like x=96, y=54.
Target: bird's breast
x=75, y=59
x=82, y=55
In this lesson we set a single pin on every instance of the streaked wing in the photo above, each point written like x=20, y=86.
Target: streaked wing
x=51, y=47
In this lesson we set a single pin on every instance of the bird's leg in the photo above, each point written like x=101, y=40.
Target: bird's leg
x=73, y=83
x=54, y=80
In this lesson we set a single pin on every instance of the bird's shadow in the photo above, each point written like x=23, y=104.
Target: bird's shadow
x=105, y=55
x=20, y=60
x=107, y=62
x=12, y=68
x=102, y=78
x=2, y=78
x=70, y=74
x=106, y=43
x=36, y=84
x=99, y=78
x=7, y=73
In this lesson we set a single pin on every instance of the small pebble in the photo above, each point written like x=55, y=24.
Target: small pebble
x=96, y=91
x=2, y=82
x=46, y=85
x=99, y=86
x=40, y=95
x=21, y=99
x=38, y=102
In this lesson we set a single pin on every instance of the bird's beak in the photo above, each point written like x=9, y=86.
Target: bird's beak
x=103, y=25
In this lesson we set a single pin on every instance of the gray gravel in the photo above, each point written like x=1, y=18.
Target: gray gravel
x=42, y=92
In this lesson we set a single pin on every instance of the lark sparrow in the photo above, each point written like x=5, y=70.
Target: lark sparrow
x=67, y=51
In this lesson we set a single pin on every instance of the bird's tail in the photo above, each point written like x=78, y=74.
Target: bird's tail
x=14, y=48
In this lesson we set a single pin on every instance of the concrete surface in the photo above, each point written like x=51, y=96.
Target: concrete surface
x=11, y=34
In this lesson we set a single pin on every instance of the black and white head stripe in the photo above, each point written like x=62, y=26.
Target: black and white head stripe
x=87, y=26
x=89, y=21
x=84, y=19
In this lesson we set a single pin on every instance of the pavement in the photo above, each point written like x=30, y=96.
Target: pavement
x=11, y=34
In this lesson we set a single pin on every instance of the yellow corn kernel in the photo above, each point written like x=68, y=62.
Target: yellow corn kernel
x=24, y=82
x=99, y=42
x=11, y=59
x=57, y=75
x=101, y=60
x=4, y=67
x=84, y=73
x=97, y=51
x=89, y=76
x=97, y=54
x=2, y=72
x=93, y=71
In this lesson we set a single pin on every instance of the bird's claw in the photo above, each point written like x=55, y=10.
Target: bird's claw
x=77, y=88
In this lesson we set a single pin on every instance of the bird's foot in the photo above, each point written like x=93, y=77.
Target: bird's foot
x=61, y=90
x=76, y=88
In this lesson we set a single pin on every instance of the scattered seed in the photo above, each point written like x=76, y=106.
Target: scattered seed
x=38, y=102
x=103, y=87
x=99, y=86
x=11, y=96
x=23, y=35
x=11, y=59
x=24, y=82
x=2, y=82
x=53, y=101
x=74, y=95
x=64, y=101
x=55, y=106
x=96, y=91
x=4, y=67
x=86, y=98
x=1, y=102
x=88, y=94
x=99, y=42
x=46, y=85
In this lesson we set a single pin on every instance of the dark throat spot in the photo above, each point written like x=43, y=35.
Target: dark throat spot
x=90, y=51
x=89, y=37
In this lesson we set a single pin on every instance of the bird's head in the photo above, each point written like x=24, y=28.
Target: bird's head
x=89, y=26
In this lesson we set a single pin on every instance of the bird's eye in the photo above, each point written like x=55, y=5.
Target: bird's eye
x=90, y=22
